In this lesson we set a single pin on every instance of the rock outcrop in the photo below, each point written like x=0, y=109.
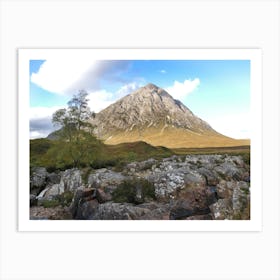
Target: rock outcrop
x=194, y=187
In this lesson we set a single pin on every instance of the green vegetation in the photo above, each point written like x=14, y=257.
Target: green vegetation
x=63, y=199
x=50, y=203
x=128, y=190
x=55, y=154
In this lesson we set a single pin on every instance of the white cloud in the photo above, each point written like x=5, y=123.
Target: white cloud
x=59, y=74
x=127, y=89
x=236, y=125
x=181, y=90
x=40, y=121
x=99, y=100
x=163, y=71
x=64, y=75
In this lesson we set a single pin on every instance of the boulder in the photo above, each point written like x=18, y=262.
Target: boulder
x=168, y=183
x=104, y=177
x=194, y=179
x=102, y=196
x=192, y=201
x=228, y=171
x=118, y=211
x=38, y=178
x=81, y=195
x=241, y=201
x=71, y=179
x=87, y=209
x=32, y=200
x=222, y=209
x=225, y=189
x=212, y=178
x=53, y=178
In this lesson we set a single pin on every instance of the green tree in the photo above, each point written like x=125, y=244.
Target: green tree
x=76, y=130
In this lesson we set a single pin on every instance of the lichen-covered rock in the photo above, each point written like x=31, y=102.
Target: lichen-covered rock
x=71, y=179
x=81, y=195
x=225, y=189
x=118, y=211
x=222, y=209
x=241, y=201
x=212, y=178
x=167, y=183
x=104, y=177
x=38, y=178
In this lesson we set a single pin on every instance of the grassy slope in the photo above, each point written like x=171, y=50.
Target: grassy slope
x=175, y=138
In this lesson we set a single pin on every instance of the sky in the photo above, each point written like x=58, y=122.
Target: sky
x=217, y=91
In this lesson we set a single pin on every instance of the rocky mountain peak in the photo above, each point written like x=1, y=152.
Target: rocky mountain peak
x=147, y=111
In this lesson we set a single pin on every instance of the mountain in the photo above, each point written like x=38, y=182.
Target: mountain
x=150, y=114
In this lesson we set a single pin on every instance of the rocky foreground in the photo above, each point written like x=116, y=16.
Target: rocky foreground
x=193, y=187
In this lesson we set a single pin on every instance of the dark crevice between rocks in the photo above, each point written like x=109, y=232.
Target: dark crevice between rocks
x=182, y=213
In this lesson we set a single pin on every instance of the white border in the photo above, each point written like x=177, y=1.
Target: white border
x=255, y=224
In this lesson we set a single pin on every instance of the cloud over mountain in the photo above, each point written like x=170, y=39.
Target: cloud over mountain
x=66, y=75
x=180, y=90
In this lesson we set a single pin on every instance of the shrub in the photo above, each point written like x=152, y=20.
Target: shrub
x=129, y=189
x=50, y=203
x=65, y=198
x=103, y=163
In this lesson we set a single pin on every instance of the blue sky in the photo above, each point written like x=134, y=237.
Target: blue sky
x=218, y=91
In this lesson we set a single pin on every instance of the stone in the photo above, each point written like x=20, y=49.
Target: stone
x=192, y=179
x=53, y=178
x=87, y=209
x=241, y=201
x=102, y=196
x=81, y=196
x=118, y=211
x=102, y=178
x=54, y=213
x=38, y=178
x=181, y=210
x=212, y=179
x=200, y=217
x=225, y=189
x=33, y=200
x=54, y=190
x=222, y=209
x=229, y=171
x=71, y=179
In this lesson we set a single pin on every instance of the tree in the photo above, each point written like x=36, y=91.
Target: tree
x=76, y=130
